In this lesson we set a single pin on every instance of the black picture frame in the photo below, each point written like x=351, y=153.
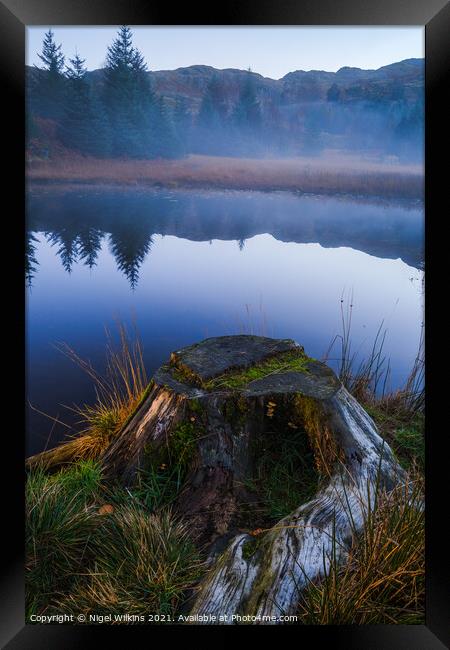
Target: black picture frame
x=15, y=15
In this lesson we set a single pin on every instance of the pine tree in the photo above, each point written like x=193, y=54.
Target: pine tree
x=246, y=117
x=75, y=129
x=130, y=245
x=213, y=107
x=164, y=142
x=50, y=81
x=66, y=241
x=312, y=138
x=83, y=127
x=182, y=120
x=89, y=245
x=211, y=119
x=333, y=93
x=128, y=97
x=247, y=114
x=30, y=257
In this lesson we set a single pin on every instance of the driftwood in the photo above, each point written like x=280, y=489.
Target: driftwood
x=225, y=389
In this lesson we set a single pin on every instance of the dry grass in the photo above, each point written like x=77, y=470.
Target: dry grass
x=118, y=392
x=96, y=548
x=368, y=380
x=329, y=175
x=144, y=565
x=383, y=581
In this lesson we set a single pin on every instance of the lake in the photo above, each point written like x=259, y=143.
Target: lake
x=186, y=265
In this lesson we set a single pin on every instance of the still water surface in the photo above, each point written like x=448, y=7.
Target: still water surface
x=185, y=265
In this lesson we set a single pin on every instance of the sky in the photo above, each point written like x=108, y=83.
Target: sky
x=270, y=51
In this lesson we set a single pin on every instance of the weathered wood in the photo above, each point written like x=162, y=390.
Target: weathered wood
x=299, y=548
x=53, y=459
x=348, y=451
x=227, y=387
x=230, y=419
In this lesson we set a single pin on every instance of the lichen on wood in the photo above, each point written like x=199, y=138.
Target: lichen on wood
x=211, y=408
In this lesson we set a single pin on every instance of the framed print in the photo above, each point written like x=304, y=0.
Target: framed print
x=227, y=221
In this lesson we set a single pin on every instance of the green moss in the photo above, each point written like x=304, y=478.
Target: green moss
x=307, y=414
x=410, y=446
x=292, y=361
x=184, y=375
x=404, y=431
x=235, y=410
x=250, y=547
x=182, y=443
x=143, y=397
x=195, y=406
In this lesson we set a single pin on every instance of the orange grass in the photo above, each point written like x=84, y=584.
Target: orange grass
x=328, y=175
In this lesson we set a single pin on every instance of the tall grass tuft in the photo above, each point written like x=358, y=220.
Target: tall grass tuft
x=59, y=525
x=368, y=381
x=383, y=581
x=145, y=564
x=118, y=392
x=93, y=548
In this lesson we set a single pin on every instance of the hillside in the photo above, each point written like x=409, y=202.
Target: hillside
x=191, y=82
x=303, y=113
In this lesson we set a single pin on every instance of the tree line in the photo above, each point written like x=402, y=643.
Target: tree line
x=126, y=117
x=116, y=113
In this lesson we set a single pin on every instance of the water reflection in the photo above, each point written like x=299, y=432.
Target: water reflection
x=278, y=265
x=75, y=223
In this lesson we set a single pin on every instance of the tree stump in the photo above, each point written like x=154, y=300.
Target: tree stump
x=225, y=392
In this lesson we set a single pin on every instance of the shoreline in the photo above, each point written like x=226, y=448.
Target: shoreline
x=261, y=175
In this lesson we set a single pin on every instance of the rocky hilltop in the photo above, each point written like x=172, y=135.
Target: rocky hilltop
x=405, y=79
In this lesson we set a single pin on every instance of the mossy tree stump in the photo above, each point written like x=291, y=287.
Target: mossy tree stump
x=225, y=391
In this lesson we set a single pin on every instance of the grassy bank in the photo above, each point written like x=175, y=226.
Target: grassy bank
x=93, y=547
x=333, y=175
x=383, y=580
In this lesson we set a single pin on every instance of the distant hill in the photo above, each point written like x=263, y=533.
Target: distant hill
x=304, y=112
x=298, y=86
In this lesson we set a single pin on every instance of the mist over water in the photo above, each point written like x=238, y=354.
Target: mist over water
x=186, y=265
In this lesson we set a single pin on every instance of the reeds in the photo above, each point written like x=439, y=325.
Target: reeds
x=322, y=176
x=118, y=392
x=368, y=380
x=383, y=580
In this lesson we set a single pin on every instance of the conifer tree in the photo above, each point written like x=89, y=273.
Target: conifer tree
x=165, y=140
x=50, y=80
x=75, y=130
x=246, y=117
x=128, y=97
x=211, y=119
x=182, y=120
x=247, y=114
x=130, y=245
x=84, y=126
